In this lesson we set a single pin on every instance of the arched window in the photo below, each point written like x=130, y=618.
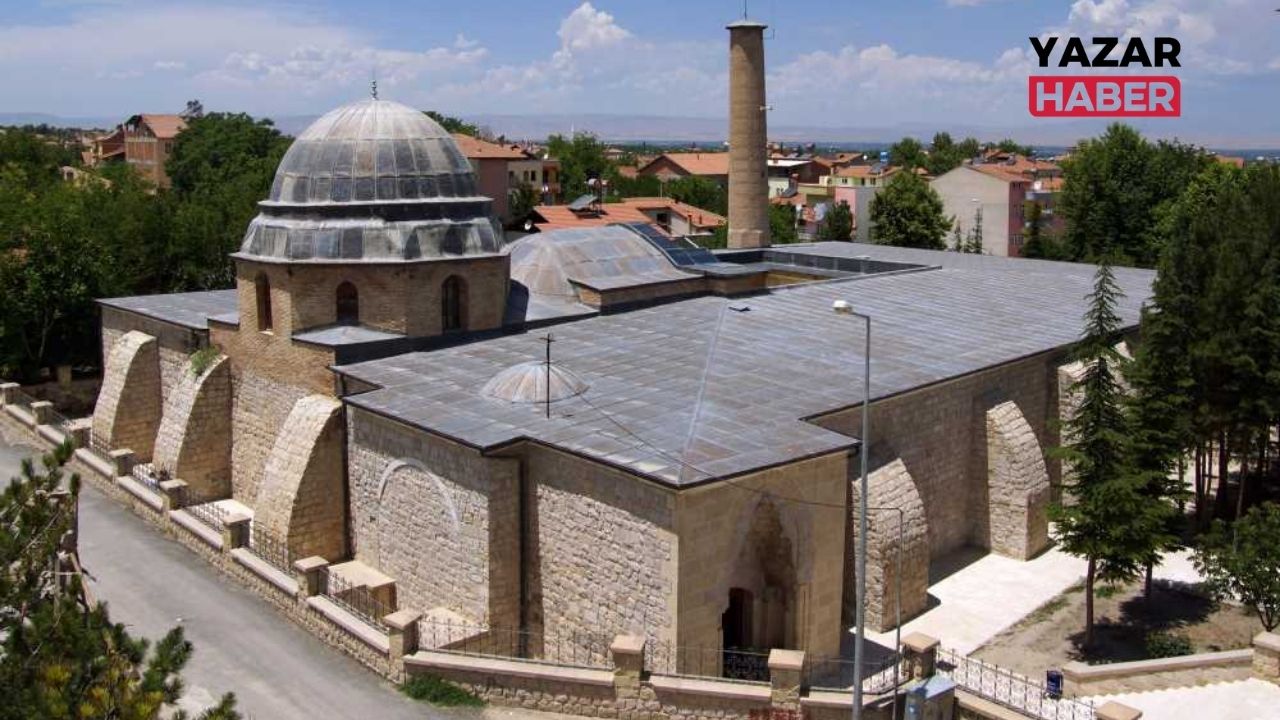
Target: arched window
x=453, y=304
x=262, y=288
x=348, y=301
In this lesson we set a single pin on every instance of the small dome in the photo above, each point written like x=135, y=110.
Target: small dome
x=373, y=181
x=527, y=383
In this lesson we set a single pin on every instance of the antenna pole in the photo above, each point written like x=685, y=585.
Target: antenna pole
x=548, y=339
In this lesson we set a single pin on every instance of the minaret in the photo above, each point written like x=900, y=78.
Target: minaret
x=748, y=161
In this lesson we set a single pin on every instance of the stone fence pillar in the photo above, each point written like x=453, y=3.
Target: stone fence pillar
x=8, y=392
x=921, y=654
x=628, y=664
x=42, y=411
x=122, y=461
x=175, y=494
x=308, y=571
x=1266, y=657
x=78, y=431
x=235, y=531
x=1115, y=711
x=786, y=676
x=402, y=637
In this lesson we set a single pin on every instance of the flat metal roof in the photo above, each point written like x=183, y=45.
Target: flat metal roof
x=710, y=387
x=192, y=309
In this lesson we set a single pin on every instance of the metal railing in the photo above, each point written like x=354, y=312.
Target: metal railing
x=21, y=399
x=578, y=649
x=837, y=673
x=1007, y=688
x=145, y=474
x=270, y=549
x=206, y=510
x=742, y=665
x=355, y=599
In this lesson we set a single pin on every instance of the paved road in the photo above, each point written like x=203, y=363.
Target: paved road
x=276, y=670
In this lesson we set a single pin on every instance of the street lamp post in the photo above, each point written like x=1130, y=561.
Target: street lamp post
x=843, y=307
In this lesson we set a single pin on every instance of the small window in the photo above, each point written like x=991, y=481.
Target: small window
x=348, y=303
x=453, y=301
x=262, y=288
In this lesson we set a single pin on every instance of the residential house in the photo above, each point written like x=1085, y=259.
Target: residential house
x=503, y=168
x=672, y=166
x=148, y=141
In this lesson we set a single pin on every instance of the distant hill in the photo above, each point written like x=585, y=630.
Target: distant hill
x=34, y=118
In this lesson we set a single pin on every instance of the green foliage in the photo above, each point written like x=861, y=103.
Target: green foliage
x=203, y=359
x=1010, y=145
x=222, y=165
x=907, y=212
x=1240, y=562
x=1116, y=187
x=1167, y=644
x=699, y=192
x=838, y=225
x=1107, y=521
x=782, y=225
x=62, y=658
x=454, y=125
x=522, y=201
x=581, y=157
x=945, y=154
x=438, y=691
x=908, y=154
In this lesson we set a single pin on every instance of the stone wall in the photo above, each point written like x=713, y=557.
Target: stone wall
x=176, y=342
x=1083, y=680
x=259, y=408
x=301, y=498
x=1017, y=485
x=395, y=297
x=601, y=551
x=776, y=532
x=128, y=411
x=436, y=516
x=891, y=487
x=939, y=433
x=194, y=441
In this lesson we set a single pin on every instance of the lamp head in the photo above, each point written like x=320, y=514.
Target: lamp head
x=842, y=307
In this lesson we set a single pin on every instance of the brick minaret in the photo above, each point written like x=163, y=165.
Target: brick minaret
x=748, y=162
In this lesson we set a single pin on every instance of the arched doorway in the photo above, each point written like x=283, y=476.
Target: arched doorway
x=761, y=612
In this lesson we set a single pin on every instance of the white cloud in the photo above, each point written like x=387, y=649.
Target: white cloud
x=169, y=65
x=587, y=28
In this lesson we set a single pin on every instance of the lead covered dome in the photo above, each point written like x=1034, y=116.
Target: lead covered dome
x=373, y=181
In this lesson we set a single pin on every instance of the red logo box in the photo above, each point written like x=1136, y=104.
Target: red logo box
x=1104, y=96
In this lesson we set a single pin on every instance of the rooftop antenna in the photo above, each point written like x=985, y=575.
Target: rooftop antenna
x=548, y=340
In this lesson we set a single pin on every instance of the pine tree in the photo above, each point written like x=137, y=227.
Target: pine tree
x=1106, y=524
x=974, y=243
x=60, y=656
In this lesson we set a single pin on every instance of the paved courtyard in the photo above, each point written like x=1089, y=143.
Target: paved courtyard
x=1247, y=700
x=974, y=596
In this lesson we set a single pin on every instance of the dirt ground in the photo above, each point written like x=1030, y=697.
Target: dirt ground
x=1051, y=636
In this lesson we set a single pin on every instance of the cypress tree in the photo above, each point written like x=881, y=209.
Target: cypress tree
x=1107, y=523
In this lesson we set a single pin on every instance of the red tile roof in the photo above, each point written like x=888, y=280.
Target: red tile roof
x=556, y=217
x=477, y=149
x=696, y=163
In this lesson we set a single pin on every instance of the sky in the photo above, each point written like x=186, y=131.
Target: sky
x=836, y=63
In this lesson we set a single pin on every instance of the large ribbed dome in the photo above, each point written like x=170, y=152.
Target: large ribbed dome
x=373, y=181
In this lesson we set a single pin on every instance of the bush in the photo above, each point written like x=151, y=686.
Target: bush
x=203, y=359
x=439, y=692
x=1167, y=644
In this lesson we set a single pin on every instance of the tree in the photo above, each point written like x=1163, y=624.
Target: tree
x=454, y=125
x=973, y=244
x=1106, y=522
x=957, y=238
x=523, y=199
x=1009, y=145
x=1115, y=188
x=907, y=212
x=1238, y=562
x=582, y=157
x=699, y=192
x=944, y=154
x=838, y=225
x=908, y=154
x=1034, y=247
x=221, y=166
x=62, y=657
x=782, y=225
